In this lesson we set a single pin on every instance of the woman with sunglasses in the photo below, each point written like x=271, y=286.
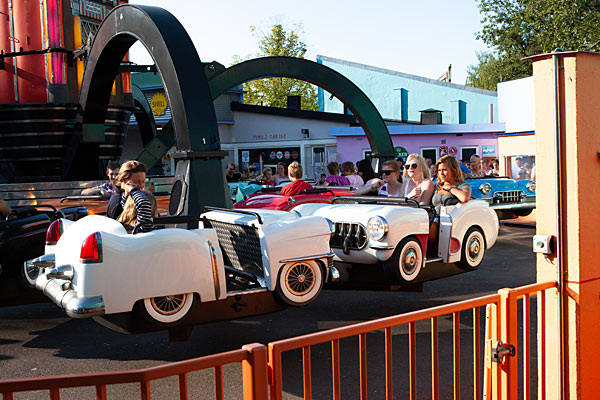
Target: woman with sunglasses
x=390, y=185
x=450, y=185
x=419, y=186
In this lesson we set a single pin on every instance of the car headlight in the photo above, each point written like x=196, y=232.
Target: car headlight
x=331, y=226
x=377, y=227
x=486, y=188
x=531, y=187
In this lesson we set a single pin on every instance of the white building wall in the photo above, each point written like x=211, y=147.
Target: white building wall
x=516, y=105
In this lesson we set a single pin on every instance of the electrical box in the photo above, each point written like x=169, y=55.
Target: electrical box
x=543, y=244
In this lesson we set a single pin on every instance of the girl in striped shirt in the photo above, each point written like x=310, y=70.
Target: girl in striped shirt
x=132, y=178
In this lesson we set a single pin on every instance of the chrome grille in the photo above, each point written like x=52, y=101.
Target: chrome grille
x=512, y=196
x=355, y=233
x=240, y=245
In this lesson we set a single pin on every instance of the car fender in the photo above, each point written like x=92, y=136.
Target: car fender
x=301, y=238
x=474, y=213
x=158, y=263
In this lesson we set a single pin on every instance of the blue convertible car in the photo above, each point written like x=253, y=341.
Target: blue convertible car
x=508, y=197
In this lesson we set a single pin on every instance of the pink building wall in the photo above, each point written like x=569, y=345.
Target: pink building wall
x=352, y=141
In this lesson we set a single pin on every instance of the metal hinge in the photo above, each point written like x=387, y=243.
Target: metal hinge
x=502, y=350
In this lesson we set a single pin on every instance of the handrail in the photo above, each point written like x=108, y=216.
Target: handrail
x=118, y=377
x=382, y=323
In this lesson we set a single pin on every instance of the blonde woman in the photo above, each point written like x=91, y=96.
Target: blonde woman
x=417, y=185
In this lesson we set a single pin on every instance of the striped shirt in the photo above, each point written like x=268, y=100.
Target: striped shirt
x=143, y=207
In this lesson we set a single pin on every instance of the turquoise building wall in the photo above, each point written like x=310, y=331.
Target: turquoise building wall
x=401, y=96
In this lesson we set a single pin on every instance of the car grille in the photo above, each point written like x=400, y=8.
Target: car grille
x=512, y=196
x=355, y=233
x=240, y=245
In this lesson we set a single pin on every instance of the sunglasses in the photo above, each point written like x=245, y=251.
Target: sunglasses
x=387, y=171
x=413, y=166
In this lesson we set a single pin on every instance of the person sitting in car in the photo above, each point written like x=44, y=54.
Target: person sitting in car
x=298, y=185
x=450, y=185
x=107, y=188
x=267, y=176
x=334, y=179
x=129, y=216
x=417, y=185
x=390, y=185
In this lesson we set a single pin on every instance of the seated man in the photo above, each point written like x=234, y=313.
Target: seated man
x=298, y=185
x=112, y=170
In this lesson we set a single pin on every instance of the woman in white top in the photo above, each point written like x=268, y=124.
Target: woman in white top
x=476, y=168
x=390, y=186
x=418, y=185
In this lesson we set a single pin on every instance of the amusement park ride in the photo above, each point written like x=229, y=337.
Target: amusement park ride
x=45, y=135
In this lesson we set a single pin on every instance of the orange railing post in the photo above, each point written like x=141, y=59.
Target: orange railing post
x=508, y=333
x=254, y=369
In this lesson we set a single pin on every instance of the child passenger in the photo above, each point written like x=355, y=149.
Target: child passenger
x=129, y=215
x=298, y=185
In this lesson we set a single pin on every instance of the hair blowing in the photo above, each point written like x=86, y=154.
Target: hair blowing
x=128, y=168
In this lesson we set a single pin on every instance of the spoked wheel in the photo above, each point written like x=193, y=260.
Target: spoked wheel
x=407, y=260
x=299, y=283
x=473, y=249
x=166, y=310
x=30, y=273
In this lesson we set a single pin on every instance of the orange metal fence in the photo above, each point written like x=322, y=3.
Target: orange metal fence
x=500, y=379
x=492, y=380
x=252, y=356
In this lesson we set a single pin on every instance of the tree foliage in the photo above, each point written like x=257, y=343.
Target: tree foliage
x=514, y=29
x=279, y=41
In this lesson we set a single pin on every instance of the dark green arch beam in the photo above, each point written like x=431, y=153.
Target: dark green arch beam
x=317, y=74
x=186, y=86
x=143, y=115
x=222, y=79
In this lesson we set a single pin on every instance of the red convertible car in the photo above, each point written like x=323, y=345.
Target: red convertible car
x=271, y=199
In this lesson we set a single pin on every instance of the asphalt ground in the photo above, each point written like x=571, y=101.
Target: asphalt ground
x=40, y=340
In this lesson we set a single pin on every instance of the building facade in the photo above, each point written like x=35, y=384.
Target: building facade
x=401, y=97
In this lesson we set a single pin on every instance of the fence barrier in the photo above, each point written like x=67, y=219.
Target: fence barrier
x=262, y=367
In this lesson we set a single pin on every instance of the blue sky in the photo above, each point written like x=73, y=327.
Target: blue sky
x=415, y=37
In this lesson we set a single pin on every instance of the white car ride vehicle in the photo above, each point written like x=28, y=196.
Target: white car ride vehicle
x=392, y=234
x=97, y=268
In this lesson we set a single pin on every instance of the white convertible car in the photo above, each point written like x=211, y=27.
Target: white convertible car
x=391, y=234
x=95, y=267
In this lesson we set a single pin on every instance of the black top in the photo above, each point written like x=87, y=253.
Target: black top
x=114, y=208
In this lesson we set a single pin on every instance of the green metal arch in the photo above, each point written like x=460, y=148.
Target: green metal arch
x=221, y=80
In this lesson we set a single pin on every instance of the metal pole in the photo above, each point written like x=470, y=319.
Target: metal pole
x=560, y=271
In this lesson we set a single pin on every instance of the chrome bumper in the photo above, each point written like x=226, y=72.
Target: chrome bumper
x=60, y=292
x=513, y=206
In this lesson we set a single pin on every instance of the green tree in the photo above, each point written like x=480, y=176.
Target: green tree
x=279, y=41
x=514, y=29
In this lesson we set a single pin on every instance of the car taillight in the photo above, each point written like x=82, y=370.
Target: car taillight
x=91, y=249
x=53, y=233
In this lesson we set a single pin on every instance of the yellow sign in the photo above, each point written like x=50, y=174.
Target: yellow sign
x=158, y=103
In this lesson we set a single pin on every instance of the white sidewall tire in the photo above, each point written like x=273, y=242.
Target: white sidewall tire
x=296, y=293
x=152, y=308
x=410, y=248
x=473, y=249
x=29, y=276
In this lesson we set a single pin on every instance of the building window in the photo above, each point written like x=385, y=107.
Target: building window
x=467, y=151
x=429, y=152
x=520, y=167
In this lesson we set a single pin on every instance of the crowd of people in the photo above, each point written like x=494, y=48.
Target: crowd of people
x=412, y=179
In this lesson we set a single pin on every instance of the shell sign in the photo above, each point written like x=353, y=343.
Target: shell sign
x=158, y=103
